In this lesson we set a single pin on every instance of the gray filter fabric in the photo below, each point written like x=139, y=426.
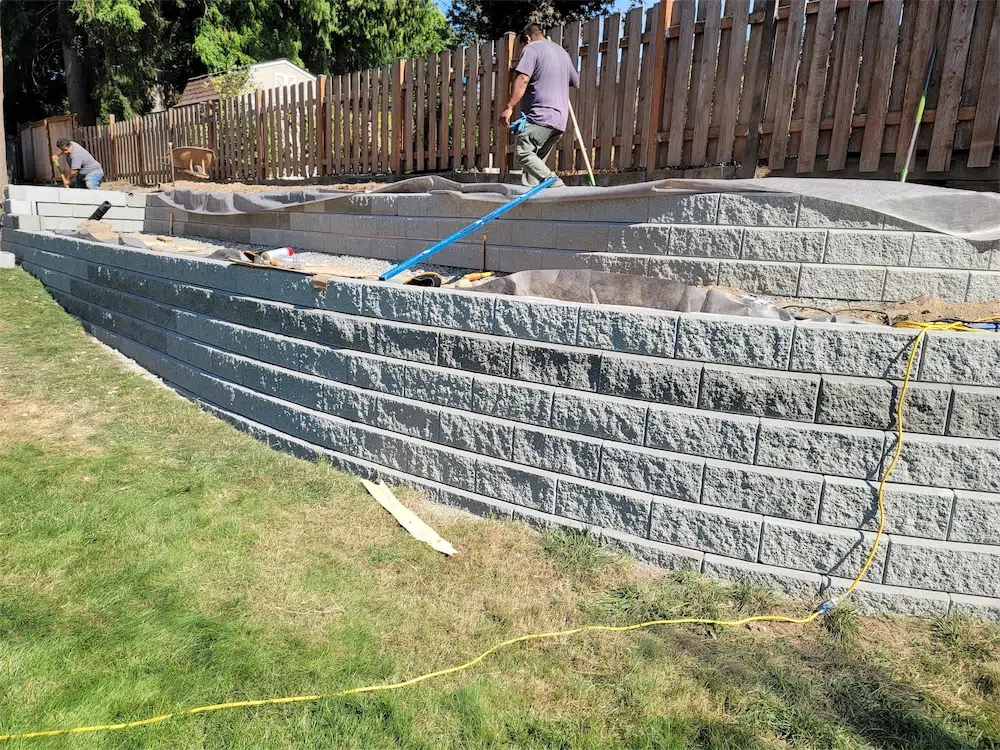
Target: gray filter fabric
x=961, y=213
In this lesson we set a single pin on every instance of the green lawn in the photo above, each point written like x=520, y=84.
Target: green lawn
x=153, y=558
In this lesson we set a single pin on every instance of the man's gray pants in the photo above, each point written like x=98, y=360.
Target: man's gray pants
x=533, y=146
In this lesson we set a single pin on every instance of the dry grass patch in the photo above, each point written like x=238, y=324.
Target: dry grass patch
x=62, y=429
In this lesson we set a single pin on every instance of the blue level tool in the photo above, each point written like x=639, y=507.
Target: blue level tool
x=438, y=246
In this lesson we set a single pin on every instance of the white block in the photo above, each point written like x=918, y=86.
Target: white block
x=53, y=209
x=57, y=222
x=91, y=197
x=6, y=260
x=20, y=207
x=137, y=200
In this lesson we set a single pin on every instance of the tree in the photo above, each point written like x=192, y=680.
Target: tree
x=488, y=19
x=3, y=130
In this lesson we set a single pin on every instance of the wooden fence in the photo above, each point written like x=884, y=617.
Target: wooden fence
x=819, y=87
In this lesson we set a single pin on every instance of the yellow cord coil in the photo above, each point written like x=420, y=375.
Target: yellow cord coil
x=923, y=328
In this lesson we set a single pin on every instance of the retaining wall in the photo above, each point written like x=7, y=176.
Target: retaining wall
x=36, y=208
x=747, y=449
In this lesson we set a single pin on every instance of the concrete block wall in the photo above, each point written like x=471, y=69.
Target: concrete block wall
x=773, y=244
x=33, y=207
x=746, y=449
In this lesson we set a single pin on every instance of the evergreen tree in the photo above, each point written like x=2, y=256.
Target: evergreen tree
x=488, y=19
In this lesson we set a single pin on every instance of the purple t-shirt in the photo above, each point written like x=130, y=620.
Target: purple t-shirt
x=551, y=73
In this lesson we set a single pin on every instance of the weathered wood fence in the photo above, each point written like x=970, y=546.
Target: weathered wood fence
x=808, y=87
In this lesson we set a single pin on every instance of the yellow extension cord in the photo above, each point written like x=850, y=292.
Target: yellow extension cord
x=922, y=327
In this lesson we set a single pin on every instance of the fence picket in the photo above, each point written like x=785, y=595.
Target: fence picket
x=457, y=105
x=946, y=111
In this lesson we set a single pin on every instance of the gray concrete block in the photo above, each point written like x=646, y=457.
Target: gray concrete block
x=661, y=555
x=978, y=606
x=484, y=436
x=581, y=236
x=983, y=286
x=599, y=416
x=626, y=329
x=706, y=242
x=633, y=265
x=909, y=510
x=958, y=463
x=621, y=510
x=427, y=384
x=404, y=304
x=976, y=518
x=349, y=403
x=759, y=393
x=729, y=437
x=513, y=259
x=944, y=251
x=876, y=599
x=847, y=349
x=55, y=209
x=646, y=239
x=51, y=223
x=866, y=402
x=972, y=358
x=758, y=209
x=820, y=549
x=476, y=353
x=759, y=277
x=662, y=473
x=421, y=459
x=841, y=282
x=816, y=212
x=792, y=583
x=517, y=485
x=377, y=375
x=23, y=222
x=622, y=210
x=467, y=311
x=771, y=492
x=853, y=452
x=868, y=248
x=398, y=415
x=553, y=322
x=684, y=270
x=800, y=245
x=903, y=284
x=545, y=522
x=565, y=366
x=469, y=502
x=519, y=402
x=749, y=342
x=975, y=413
x=407, y=342
x=697, y=208
x=650, y=379
x=944, y=566
x=725, y=532
x=558, y=452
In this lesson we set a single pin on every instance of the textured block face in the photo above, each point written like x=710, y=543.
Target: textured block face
x=437, y=386
x=844, y=452
x=842, y=282
x=599, y=416
x=976, y=518
x=944, y=566
x=959, y=463
x=772, y=492
x=909, y=510
x=472, y=353
x=635, y=265
x=516, y=485
x=538, y=321
x=653, y=553
x=983, y=286
x=728, y=437
x=758, y=209
x=467, y=312
x=700, y=208
x=800, y=245
x=842, y=349
x=724, y=532
x=859, y=402
x=649, y=379
x=518, y=402
x=645, y=239
x=792, y=583
x=622, y=510
x=909, y=283
x=377, y=375
x=753, y=277
x=868, y=248
x=484, y=436
x=673, y=475
x=407, y=418
x=972, y=358
x=815, y=212
x=747, y=342
x=568, y=367
x=975, y=413
x=393, y=302
x=706, y=242
x=592, y=236
x=694, y=272
x=557, y=452
x=878, y=599
x=978, y=606
x=762, y=394
x=625, y=329
x=820, y=549
x=944, y=251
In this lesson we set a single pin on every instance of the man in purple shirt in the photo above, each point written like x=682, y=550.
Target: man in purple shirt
x=544, y=75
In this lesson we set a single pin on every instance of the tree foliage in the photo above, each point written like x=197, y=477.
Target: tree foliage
x=488, y=19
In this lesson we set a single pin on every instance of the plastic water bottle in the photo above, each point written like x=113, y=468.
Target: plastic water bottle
x=279, y=252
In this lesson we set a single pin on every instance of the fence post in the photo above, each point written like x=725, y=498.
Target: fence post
x=750, y=153
x=657, y=51
x=322, y=127
x=397, y=116
x=502, y=95
x=111, y=148
x=261, y=133
x=140, y=170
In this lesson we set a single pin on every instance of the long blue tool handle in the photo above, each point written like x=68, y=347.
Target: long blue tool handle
x=438, y=246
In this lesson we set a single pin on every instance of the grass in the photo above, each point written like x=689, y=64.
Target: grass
x=152, y=558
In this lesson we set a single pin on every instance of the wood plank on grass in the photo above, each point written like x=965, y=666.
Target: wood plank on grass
x=847, y=85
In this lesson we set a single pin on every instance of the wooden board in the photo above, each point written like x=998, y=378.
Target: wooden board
x=470, y=116
x=586, y=115
x=707, y=76
x=409, y=152
x=487, y=106
x=956, y=53
x=984, y=130
x=629, y=96
x=679, y=84
x=571, y=43
x=784, y=85
x=607, y=96
x=816, y=87
x=847, y=85
x=432, y=109
x=444, y=91
x=506, y=56
x=457, y=106
x=878, y=94
x=421, y=97
x=759, y=61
